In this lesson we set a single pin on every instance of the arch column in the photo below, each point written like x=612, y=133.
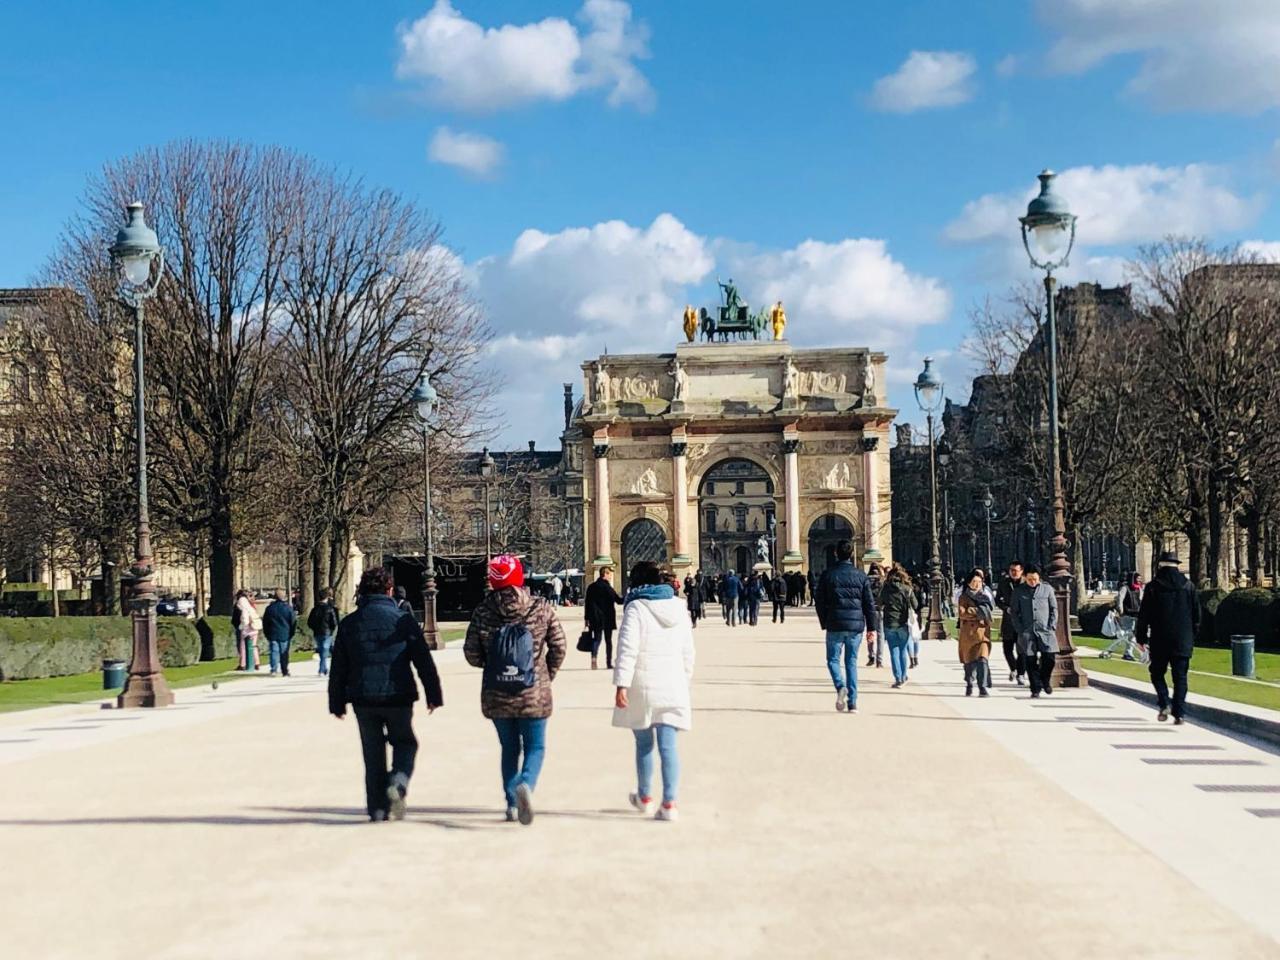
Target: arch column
x=792, y=559
x=680, y=502
x=601, y=505
x=871, y=499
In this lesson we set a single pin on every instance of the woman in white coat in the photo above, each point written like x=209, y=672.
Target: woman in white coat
x=248, y=626
x=652, y=672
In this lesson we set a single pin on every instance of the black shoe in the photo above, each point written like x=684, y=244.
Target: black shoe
x=1035, y=694
x=378, y=816
x=1163, y=715
x=1177, y=721
x=871, y=662
x=984, y=692
x=968, y=689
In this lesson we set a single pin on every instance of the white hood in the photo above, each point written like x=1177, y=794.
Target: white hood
x=668, y=612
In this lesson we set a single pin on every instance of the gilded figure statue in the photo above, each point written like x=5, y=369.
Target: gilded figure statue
x=778, y=318
x=690, y=323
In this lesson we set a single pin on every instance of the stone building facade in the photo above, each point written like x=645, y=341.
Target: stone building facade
x=688, y=455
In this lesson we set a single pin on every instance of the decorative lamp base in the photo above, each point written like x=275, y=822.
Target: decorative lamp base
x=145, y=690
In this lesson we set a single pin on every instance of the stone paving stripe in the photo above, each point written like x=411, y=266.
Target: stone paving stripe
x=88, y=726
x=1266, y=814
x=1238, y=787
x=1190, y=761
x=1104, y=719
x=1118, y=729
x=1074, y=706
x=19, y=740
x=1164, y=746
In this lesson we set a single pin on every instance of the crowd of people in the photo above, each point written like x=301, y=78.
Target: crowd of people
x=515, y=638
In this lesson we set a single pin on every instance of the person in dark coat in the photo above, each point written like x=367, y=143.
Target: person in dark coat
x=1009, y=635
x=402, y=600
x=755, y=594
x=372, y=655
x=729, y=593
x=846, y=607
x=602, y=616
x=780, y=594
x=875, y=636
x=811, y=583
x=323, y=624
x=1168, y=622
x=279, y=624
x=1035, y=618
x=693, y=597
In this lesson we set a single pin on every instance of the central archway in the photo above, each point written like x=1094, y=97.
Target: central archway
x=642, y=540
x=824, y=533
x=735, y=505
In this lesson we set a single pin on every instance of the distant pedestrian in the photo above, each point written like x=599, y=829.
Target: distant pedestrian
x=652, y=677
x=1168, y=622
x=279, y=623
x=780, y=594
x=557, y=588
x=875, y=636
x=1008, y=633
x=896, y=608
x=1129, y=605
x=812, y=583
x=601, y=616
x=693, y=598
x=730, y=591
x=372, y=655
x=518, y=642
x=248, y=624
x=323, y=624
x=755, y=596
x=974, y=612
x=845, y=607
x=1035, y=617
x=402, y=600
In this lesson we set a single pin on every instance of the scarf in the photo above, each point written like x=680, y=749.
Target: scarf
x=657, y=591
x=981, y=602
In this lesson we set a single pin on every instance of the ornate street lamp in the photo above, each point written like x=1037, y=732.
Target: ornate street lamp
x=140, y=259
x=487, y=468
x=929, y=396
x=1048, y=234
x=424, y=405
x=948, y=521
x=988, y=502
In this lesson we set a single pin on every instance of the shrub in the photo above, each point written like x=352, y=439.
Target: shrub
x=1091, y=614
x=1251, y=611
x=1210, y=600
x=224, y=637
x=35, y=647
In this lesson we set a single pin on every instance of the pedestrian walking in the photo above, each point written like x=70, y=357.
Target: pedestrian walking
x=974, y=611
x=1035, y=617
x=754, y=596
x=402, y=600
x=875, y=637
x=601, y=616
x=845, y=606
x=811, y=584
x=248, y=625
x=376, y=646
x=1168, y=622
x=557, y=588
x=651, y=680
x=744, y=599
x=1008, y=634
x=897, y=606
x=1128, y=606
x=279, y=624
x=780, y=596
x=729, y=592
x=693, y=598
x=518, y=642
x=322, y=621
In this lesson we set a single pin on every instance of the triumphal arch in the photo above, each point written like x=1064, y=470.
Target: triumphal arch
x=729, y=454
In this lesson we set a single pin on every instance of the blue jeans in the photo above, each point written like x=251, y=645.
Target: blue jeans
x=519, y=735
x=665, y=736
x=898, y=638
x=324, y=643
x=279, y=656
x=844, y=643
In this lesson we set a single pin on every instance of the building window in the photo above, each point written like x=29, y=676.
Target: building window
x=554, y=490
x=740, y=515
x=739, y=486
x=477, y=526
x=710, y=487
x=710, y=516
x=768, y=487
x=768, y=516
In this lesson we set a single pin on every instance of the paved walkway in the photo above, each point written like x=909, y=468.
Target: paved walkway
x=929, y=825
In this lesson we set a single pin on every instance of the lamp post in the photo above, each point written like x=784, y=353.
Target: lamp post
x=988, y=502
x=773, y=541
x=1048, y=234
x=487, y=468
x=140, y=259
x=948, y=522
x=929, y=396
x=424, y=403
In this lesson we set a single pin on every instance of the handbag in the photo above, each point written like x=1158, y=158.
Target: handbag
x=585, y=642
x=913, y=626
x=1109, y=626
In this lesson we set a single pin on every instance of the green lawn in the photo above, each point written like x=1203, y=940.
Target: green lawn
x=29, y=694
x=1239, y=691
x=1211, y=660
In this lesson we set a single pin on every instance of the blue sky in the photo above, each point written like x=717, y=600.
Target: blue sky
x=597, y=164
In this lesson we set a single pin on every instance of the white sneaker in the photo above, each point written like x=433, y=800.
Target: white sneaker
x=853, y=708
x=842, y=702
x=524, y=804
x=668, y=812
x=396, y=791
x=512, y=814
x=643, y=804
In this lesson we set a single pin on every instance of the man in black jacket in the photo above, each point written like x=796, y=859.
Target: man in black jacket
x=845, y=608
x=601, y=617
x=371, y=670
x=1168, y=621
x=779, y=592
x=1008, y=634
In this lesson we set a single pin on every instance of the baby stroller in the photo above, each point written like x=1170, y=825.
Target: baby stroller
x=1123, y=640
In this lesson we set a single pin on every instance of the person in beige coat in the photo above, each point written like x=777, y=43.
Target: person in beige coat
x=974, y=613
x=652, y=673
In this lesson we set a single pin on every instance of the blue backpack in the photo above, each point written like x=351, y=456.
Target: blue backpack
x=509, y=665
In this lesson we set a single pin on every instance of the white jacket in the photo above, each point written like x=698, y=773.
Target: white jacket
x=250, y=621
x=654, y=662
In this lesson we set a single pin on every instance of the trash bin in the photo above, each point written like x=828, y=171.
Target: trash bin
x=114, y=673
x=1241, y=655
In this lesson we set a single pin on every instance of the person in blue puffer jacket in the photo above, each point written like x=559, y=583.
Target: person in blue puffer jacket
x=846, y=610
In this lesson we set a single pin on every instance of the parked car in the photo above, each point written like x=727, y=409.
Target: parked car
x=176, y=607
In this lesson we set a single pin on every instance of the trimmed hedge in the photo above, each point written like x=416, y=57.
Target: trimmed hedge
x=36, y=647
x=220, y=641
x=1253, y=611
x=1091, y=614
x=1210, y=600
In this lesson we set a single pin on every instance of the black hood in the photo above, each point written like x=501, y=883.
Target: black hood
x=1168, y=578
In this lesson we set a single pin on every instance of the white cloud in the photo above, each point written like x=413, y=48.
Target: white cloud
x=557, y=299
x=1191, y=54
x=1120, y=205
x=1008, y=65
x=470, y=67
x=926, y=79
x=1267, y=250
x=474, y=153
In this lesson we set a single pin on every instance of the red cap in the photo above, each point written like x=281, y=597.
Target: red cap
x=505, y=571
